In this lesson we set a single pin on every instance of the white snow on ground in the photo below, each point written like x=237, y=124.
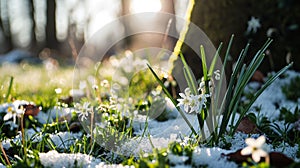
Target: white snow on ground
x=65, y=139
x=272, y=95
x=57, y=160
x=289, y=151
x=51, y=114
x=177, y=160
x=60, y=139
x=212, y=158
x=138, y=145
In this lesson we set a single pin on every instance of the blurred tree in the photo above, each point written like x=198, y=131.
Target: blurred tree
x=33, y=42
x=7, y=44
x=51, y=39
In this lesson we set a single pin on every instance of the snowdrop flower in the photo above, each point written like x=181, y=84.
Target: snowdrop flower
x=95, y=87
x=253, y=25
x=84, y=110
x=203, y=99
x=202, y=86
x=104, y=83
x=12, y=112
x=194, y=103
x=58, y=90
x=185, y=101
x=271, y=31
x=255, y=148
x=217, y=75
x=82, y=85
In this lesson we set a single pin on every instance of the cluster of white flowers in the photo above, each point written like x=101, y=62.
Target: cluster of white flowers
x=194, y=102
x=13, y=110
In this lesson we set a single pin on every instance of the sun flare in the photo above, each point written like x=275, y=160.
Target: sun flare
x=138, y=6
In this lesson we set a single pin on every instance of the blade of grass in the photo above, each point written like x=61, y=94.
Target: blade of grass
x=11, y=81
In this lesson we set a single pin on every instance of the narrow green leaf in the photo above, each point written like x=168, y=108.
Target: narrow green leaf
x=261, y=90
x=8, y=94
x=190, y=78
x=213, y=63
x=203, y=60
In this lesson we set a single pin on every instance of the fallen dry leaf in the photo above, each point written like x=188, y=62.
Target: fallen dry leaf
x=67, y=100
x=247, y=126
x=31, y=109
x=277, y=159
x=258, y=76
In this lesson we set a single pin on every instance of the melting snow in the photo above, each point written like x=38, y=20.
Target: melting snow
x=212, y=157
x=58, y=160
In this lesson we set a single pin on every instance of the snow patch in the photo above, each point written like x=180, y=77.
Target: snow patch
x=212, y=157
x=57, y=160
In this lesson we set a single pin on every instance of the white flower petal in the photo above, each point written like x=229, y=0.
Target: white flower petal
x=186, y=108
x=260, y=141
x=187, y=91
x=247, y=151
x=260, y=152
x=181, y=95
x=256, y=157
x=250, y=142
x=7, y=116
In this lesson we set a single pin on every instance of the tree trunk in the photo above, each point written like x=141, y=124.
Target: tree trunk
x=220, y=19
x=33, y=42
x=5, y=27
x=51, y=39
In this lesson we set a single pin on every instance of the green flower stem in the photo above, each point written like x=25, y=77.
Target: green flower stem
x=8, y=94
x=4, y=154
x=23, y=136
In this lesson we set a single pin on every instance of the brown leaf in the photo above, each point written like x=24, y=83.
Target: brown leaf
x=280, y=160
x=68, y=100
x=258, y=76
x=276, y=159
x=237, y=157
x=31, y=109
x=75, y=127
x=247, y=126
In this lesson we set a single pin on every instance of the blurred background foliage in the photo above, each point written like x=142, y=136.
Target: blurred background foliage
x=57, y=28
